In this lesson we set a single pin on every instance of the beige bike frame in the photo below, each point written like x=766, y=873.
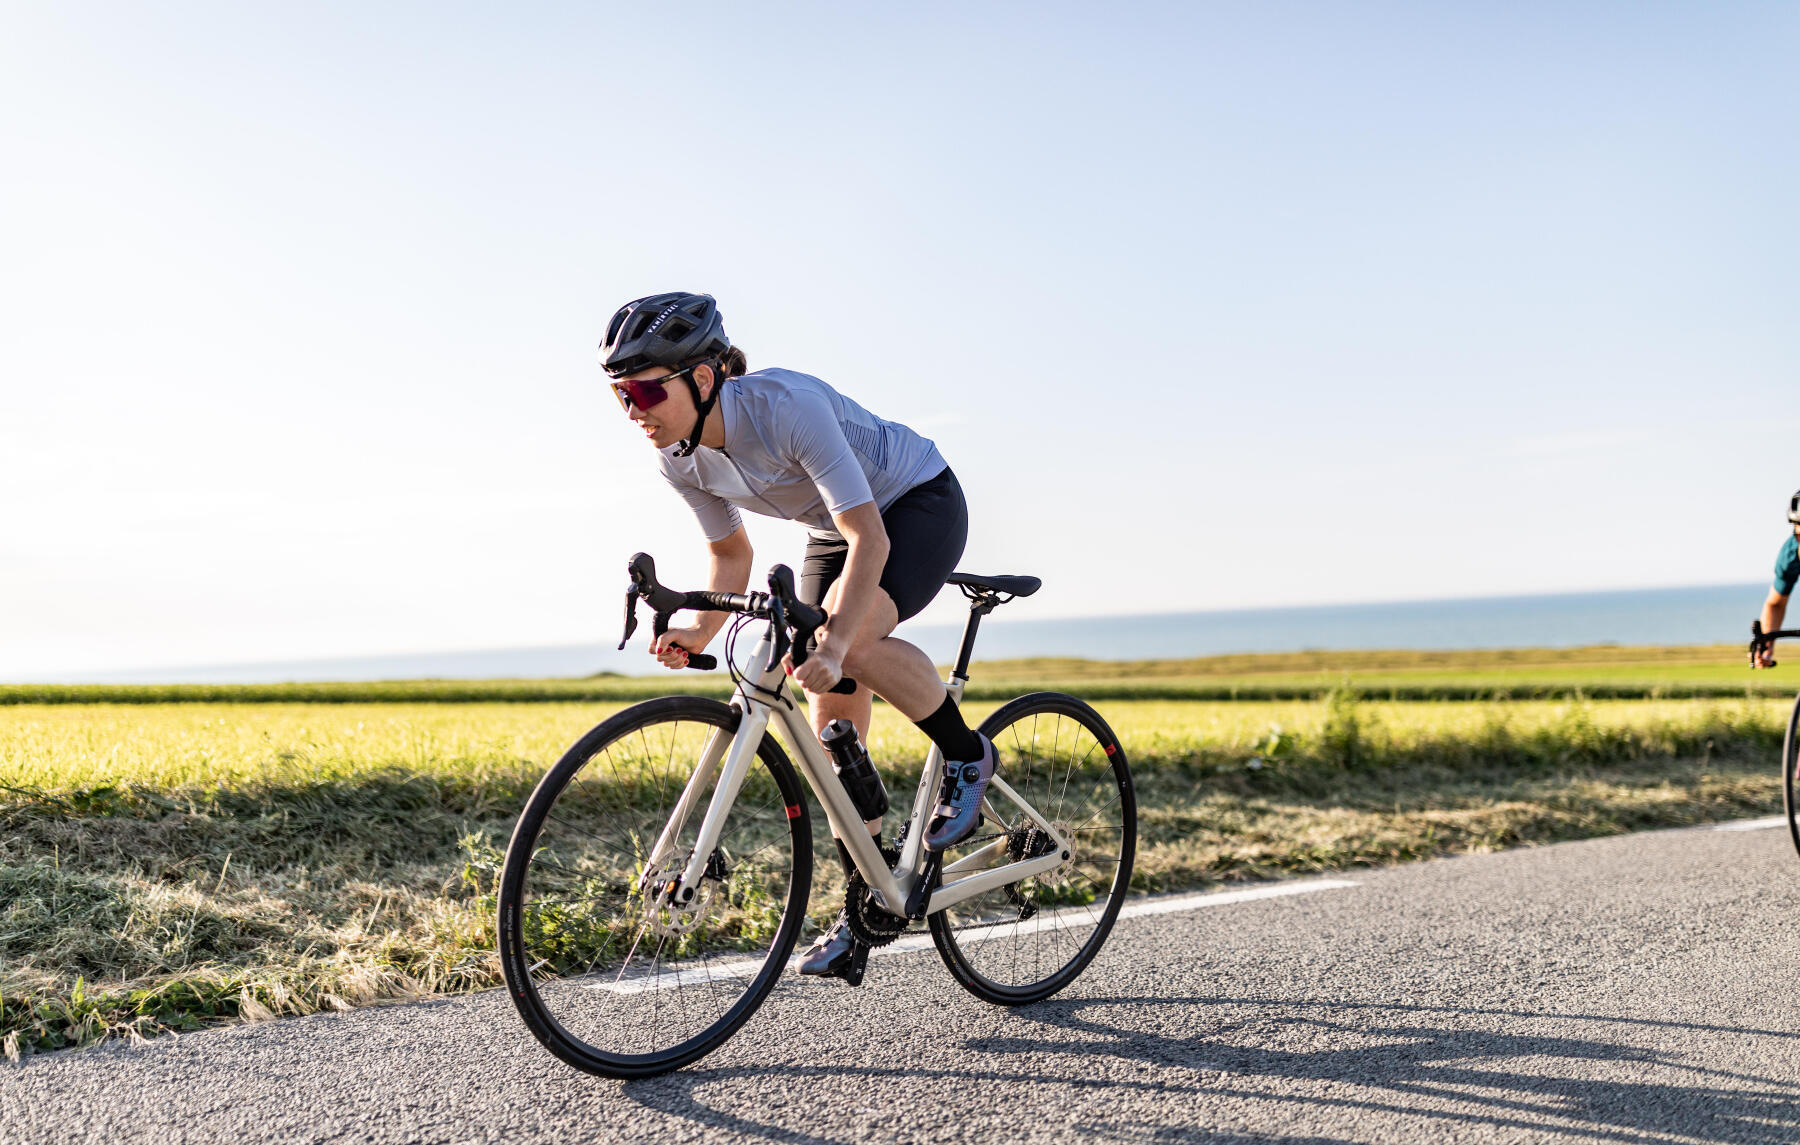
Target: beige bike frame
x=762, y=695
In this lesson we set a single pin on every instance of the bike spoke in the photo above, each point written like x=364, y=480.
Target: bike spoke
x=1033, y=935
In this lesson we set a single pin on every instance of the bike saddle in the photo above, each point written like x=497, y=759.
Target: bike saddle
x=1014, y=585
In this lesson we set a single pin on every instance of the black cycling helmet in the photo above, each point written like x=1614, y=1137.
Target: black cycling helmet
x=1794, y=509
x=663, y=330
x=668, y=330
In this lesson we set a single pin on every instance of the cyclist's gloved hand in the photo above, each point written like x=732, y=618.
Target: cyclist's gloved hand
x=673, y=647
x=1763, y=657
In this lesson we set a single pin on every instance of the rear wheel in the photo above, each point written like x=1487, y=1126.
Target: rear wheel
x=1790, y=774
x=1024, y=942
x=613, y=975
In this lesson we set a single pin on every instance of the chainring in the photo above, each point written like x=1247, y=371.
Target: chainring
x=869, y=923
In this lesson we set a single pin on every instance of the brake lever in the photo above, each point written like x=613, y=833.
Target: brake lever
x=631, y=599
x=778, y=614
x=1759, y=644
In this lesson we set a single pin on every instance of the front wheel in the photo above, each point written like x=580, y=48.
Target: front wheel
x=612, y=973
x=1024, y=942
x=1790, y=774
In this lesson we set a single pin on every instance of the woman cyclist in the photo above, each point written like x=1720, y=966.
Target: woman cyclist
x=886, y=525
x=1787, y=573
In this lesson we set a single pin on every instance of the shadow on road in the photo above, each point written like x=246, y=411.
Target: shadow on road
x=1423, y=1065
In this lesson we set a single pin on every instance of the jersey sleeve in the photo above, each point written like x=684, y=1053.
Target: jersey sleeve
x=718, y=517
x=816, y=441
x=1787, y=568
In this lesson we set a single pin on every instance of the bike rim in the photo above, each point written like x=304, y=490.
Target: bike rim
x=1790, y=773
x=621, y=977
x=1039, y=932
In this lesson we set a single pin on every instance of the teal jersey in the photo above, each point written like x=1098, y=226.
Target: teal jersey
x=1787, y=567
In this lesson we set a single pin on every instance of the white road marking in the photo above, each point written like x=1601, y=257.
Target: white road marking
x=669, y=979
x=1752, y=824
x=1224, y=898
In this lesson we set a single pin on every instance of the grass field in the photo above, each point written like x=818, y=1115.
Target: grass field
x=1605, y=672
x=164, y=866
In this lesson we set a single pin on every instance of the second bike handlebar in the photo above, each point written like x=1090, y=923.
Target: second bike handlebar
x=1761, y=641
x=781, y=604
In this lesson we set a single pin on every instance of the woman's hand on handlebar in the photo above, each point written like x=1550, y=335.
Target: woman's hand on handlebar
x=673, y=647
x=821, y=671
x=1763, y=656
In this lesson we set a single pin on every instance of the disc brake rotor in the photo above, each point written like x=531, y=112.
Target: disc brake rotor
x=673, y=919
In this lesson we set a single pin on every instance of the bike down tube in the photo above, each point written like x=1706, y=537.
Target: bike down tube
x=846, y=821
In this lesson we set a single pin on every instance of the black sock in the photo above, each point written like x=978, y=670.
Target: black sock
x=946, y=728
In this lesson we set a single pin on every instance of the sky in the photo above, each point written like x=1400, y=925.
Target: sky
x=1209, y=305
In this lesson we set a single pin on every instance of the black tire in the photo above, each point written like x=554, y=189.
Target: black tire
x=1029, y=940
x=1790, y=774
x=573, y=916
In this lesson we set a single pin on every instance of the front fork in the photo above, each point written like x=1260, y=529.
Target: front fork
x=736, y=748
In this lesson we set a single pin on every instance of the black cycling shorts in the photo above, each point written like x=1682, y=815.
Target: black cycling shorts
x=927, y=528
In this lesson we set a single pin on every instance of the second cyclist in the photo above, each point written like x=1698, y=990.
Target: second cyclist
x=1787, y=573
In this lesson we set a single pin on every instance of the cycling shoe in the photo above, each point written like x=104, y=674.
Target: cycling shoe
x=965, y=784
x=836, y=954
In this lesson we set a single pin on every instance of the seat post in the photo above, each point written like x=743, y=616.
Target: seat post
x=979, y=607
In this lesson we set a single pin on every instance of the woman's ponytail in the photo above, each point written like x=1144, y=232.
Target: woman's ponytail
x=733, y=364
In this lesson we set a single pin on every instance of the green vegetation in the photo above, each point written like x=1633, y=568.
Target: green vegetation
x=167, y=866
x=1604, y=672
x=1607, y=671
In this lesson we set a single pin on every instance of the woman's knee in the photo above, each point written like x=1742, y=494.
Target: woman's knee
x=856, y=659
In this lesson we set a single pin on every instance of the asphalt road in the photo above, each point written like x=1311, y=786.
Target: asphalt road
x=1638, y=989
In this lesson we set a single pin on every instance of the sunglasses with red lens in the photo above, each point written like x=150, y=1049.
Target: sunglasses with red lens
x=644, y=393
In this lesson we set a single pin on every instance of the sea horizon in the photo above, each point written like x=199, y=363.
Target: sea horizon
x=1703, y=614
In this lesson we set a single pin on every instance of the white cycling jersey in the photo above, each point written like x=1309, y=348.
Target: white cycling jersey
x=798, y=450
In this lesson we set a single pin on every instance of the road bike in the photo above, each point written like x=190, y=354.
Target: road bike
x=1760, y=642
x=660, y=873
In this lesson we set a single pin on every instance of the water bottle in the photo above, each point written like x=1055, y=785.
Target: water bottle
x=854, y=770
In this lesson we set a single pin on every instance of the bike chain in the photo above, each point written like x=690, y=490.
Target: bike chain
x=872, y=926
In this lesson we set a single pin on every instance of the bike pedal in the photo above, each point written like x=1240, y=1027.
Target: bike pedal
x=851, y=968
